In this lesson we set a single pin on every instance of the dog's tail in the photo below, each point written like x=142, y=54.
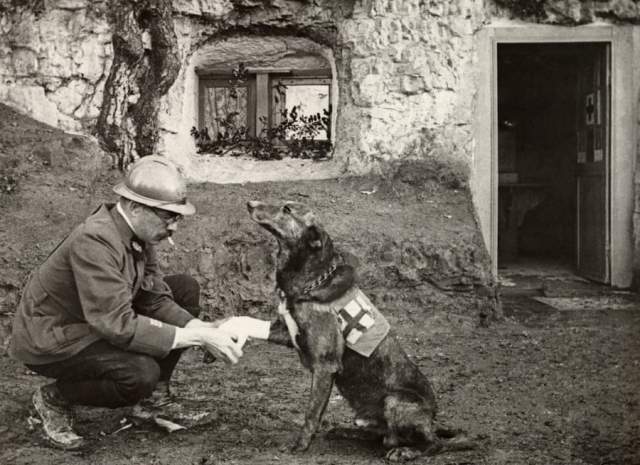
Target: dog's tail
x=447, y=433
x=454, y=439
x=457, y=444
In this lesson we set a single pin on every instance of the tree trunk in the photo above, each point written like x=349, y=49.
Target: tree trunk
x=145, y=65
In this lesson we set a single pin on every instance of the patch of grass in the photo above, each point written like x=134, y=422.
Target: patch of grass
x=8, y=184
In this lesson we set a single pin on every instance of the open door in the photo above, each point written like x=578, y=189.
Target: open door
x=592, y=170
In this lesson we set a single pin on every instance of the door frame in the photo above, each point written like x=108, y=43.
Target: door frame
x=622, y=136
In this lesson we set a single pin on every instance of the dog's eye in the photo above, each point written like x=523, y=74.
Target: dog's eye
x=286, y=209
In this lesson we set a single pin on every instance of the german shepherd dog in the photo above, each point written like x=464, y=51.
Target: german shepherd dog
x=324, y=315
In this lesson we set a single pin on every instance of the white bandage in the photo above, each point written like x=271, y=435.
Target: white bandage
x=251, y=327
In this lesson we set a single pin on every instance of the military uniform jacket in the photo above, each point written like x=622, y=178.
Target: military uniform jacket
x=97, y=284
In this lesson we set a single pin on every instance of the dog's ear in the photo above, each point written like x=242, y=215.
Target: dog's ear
x=315, y=237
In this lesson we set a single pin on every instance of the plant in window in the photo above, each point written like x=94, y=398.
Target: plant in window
x=229, y=140
x=299, y=132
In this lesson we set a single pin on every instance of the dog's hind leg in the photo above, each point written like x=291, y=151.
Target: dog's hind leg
x=428, y=441
x=403, y=454
x=420, y=442
x=409, y=429
x=321, y=384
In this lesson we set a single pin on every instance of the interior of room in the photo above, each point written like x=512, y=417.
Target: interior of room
x=540, y=104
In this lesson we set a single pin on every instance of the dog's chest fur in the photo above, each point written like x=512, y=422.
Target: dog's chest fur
x=320, y=340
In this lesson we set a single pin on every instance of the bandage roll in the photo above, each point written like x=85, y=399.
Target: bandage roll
x=251, y=327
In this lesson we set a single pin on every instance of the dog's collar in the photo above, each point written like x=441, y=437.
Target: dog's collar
x=323, y=277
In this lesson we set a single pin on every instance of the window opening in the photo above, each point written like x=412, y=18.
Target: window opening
x=308, y=100
x=264, y=113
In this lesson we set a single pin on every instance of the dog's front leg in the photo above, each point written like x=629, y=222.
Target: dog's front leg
x=321, y=384
x=279, y=333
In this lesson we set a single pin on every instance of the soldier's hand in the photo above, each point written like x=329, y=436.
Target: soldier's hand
x=226, y=345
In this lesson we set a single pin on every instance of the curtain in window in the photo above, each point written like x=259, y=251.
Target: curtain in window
x=220, y=104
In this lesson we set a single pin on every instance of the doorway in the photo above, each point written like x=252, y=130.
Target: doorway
x=624, y=87
x=553, y=115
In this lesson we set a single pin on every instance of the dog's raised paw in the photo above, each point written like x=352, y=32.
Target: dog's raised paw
x=402, y=454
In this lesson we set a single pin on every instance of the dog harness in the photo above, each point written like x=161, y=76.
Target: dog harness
x=362, y=325
x=292, y=326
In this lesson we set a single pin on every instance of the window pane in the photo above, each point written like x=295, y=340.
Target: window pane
x=221, y=104
x=310, y=99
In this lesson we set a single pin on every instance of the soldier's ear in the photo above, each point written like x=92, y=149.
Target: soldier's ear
x=132, y=208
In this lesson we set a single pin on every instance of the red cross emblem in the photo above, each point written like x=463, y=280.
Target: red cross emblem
x=355, y=319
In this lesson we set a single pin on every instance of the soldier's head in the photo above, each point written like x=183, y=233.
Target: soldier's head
x=154, y=197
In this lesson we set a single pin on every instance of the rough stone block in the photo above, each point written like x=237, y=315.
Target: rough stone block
x=369, y=91
x=72, y=5
x=24, y=61
x=412, y=84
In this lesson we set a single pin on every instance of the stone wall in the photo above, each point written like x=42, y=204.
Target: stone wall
x=569, y=12
x=54, y=62
x=404, y=69
x=407, y=73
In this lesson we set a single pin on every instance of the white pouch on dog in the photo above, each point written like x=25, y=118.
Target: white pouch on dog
x=363, y=326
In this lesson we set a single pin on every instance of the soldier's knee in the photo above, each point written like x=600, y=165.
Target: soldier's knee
x=142, y=377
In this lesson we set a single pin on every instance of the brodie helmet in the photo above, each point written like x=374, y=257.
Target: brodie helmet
x=156, y=182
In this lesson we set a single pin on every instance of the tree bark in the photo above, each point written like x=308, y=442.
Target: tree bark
x=141, y=73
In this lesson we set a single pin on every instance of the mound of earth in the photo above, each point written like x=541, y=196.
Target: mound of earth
x=417, y=241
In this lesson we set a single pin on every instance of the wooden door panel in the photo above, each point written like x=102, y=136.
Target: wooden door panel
x=592, y=164
x=591, y=237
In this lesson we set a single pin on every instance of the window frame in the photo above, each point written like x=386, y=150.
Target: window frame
x=222, y=78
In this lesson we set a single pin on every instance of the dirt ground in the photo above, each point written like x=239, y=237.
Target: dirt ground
x=539, y=386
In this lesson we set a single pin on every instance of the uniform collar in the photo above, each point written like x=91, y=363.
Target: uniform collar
x=120, y=210
x=122, y=225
